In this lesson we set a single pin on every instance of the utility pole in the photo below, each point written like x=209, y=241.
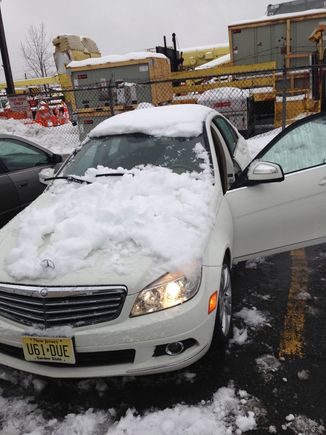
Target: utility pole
x=5, y=58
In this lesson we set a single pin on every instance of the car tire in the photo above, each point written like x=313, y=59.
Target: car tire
x=223, y=321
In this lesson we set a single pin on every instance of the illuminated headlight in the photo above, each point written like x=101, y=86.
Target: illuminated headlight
x=168, y=291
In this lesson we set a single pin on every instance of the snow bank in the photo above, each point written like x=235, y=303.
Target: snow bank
x=115, y=58
x=148, y=211
x=21, y=416
x=223, y=415
x=59, y=140
x=168, y=121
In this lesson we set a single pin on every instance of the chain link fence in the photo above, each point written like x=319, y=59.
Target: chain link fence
x=255, y=102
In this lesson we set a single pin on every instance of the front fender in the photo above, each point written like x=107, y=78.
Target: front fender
x=221, y=237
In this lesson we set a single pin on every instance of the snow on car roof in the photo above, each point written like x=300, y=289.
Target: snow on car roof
x=115, y=58
x=185, y=120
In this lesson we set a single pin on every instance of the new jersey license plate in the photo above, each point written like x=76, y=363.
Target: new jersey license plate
x=49, y=349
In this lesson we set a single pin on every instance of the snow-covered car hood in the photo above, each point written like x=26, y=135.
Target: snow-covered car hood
x=142, y=270
x=126, y=231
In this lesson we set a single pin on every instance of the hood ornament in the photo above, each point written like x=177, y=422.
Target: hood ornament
x=44, y=292
x=47, y=264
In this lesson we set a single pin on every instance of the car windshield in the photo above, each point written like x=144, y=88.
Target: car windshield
x=128, y=151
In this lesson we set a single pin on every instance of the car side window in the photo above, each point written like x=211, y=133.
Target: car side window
x=16, y=155
x=228, y=133
x=301, y=148
x=221, y=161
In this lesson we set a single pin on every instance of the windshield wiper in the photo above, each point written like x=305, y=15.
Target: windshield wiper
x=69, y=178
x=79, y=180
x=111, y=174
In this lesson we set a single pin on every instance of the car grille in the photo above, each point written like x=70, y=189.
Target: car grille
x=83, y=359
x=58, y=306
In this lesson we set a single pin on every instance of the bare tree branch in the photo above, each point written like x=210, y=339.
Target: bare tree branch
x=37, y=53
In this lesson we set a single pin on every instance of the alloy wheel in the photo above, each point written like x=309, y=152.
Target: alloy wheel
x=225, y=301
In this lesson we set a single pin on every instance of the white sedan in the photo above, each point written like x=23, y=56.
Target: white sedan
x=122, y=266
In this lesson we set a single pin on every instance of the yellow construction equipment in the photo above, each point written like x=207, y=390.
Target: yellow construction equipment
x=196, y=56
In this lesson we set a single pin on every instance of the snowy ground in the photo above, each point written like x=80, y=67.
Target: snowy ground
x=26, y=406
x=228, y=412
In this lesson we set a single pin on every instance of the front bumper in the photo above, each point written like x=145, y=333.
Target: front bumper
x=142, y=334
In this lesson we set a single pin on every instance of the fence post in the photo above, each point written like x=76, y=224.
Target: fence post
x=283, y=52
x=111, y=98
x=284, y=99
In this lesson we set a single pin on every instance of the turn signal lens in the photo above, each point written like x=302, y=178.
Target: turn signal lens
x=212, y=304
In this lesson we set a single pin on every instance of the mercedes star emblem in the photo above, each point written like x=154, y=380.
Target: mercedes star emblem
x=46, y=263
x=44, y=292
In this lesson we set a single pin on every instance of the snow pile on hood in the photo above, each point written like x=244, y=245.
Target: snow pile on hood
x=112, y=58
x=148, y=211
x=169, y=121
x=59, y=140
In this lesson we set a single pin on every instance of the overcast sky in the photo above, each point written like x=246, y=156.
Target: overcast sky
x=122, y=26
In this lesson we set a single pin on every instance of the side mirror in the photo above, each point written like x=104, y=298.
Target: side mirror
x=56, y=158
x=44, y=174
x=264, y=172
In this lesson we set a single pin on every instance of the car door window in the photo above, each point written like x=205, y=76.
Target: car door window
x=16, y=155
x=221, y=160
x=301, y=148
x=229, y=135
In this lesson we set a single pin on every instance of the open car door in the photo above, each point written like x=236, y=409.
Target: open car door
x=271, y=217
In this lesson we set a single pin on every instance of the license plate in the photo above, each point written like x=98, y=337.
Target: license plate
x=49, y=349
